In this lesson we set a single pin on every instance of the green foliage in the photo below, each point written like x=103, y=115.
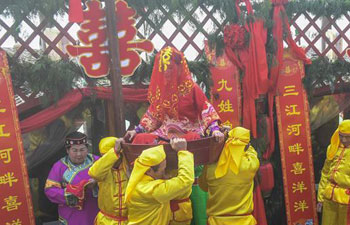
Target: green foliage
x=142, y=73
x=52, y=78
x=335, y=8
x=225, y=8
x=19, y=8
x=202, y=74
x=216, y=42
x=322, y=69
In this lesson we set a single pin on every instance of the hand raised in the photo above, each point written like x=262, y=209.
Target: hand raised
x=118, y=146
x=130, y=134
x=178, y=144
x=219, y=137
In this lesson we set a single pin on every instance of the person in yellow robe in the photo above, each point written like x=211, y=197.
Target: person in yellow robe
x=181, y=208
x=334, y=187
x=230, y=181
x=111, y=173
x=148, y=194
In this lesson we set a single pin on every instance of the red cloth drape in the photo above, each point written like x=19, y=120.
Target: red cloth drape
x=253, y=61
x=72, y=100
x=259, y=208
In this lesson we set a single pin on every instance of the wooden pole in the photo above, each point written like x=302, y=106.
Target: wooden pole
x=115, y=69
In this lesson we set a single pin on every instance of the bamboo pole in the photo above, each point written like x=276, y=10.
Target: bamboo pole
x=115, y=69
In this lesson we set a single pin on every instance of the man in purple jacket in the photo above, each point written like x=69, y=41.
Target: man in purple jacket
x=70, y=186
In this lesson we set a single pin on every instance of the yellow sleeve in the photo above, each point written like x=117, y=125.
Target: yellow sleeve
x=250, y=161
x=101, y=167
x=176, y=186
x=324, y=179
x=202, y=180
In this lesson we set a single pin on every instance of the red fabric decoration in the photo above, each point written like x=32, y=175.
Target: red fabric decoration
x=234, y=39
x=145, y=139
x=72, y=100
x=252, y=60
x=75, y=13
x=234, y=36
x=78, y=190
x=277, y=32
x=46, y=116
x=255, y=81
x=259, y=207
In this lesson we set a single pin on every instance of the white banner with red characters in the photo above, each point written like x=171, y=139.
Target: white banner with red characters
x=15, y=199
x=295, y=143
x=226, y=90
x=93, y=53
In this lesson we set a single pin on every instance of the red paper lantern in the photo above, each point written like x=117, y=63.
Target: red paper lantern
x=267, y=179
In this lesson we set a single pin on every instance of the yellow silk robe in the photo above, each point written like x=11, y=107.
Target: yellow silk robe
x=149, y=203
x=334, y=188
x=230, y=199
x=112, y=184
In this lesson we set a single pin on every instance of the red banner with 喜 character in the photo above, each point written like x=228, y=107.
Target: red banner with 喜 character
x=295, y=143
x=93, y=53
x=226, y=89
x=15, y=199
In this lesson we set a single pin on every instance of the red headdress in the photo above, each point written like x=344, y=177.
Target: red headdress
x=171, y=79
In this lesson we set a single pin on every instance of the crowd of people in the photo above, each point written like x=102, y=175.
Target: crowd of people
x=145, y=194
x=108, y=190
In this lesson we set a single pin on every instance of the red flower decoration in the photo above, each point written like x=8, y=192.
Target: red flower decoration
x=234, y=36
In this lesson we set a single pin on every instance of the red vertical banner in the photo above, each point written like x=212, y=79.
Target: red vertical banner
x=295, y=143
x=226, y=89
x=15, y=199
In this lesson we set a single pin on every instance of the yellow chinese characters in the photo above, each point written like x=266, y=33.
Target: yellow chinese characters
x=290, y=90
x=8, y=178
x=301, y=205
x=299, y=186
x=223, y=86
x=291, y=110
x=294, y=129
x=11, y=203
x=297, y=148
x=298, y=168
x=165, y=59
x=5, y=155
x=225, y=106
x=15, y=222
x=4, y=71
x=2, y=133
x=227, y=123
x=2, y=110
x=222, y=62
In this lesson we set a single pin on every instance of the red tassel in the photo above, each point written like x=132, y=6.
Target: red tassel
x=75, y=11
